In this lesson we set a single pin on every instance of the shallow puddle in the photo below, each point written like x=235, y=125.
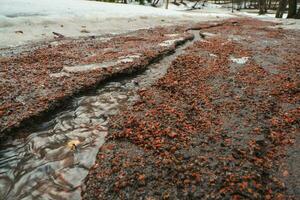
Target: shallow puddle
x=52, y=161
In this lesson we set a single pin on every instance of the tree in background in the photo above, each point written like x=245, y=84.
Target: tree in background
x=292, y=11
x=298, y=14
x=262, y=7
x=281, y=8
x=167, y=4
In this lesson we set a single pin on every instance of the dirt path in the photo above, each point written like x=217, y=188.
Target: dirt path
x=221, y=124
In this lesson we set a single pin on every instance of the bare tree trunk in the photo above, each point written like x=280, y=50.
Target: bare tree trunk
x=270, y=3
x=262, y=7
x=281, y=8
x=154, y=3
x=167, y=4
x=292, y=9
x=239, y=4
x=194, y=6
x=298, y=14
x=275, y=4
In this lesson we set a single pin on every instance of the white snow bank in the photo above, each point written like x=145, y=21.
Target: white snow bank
x=59, y=8
x=24, y=21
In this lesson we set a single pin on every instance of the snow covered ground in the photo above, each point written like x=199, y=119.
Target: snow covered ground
x=286, y=23
x=270, y=16
x=24, y=21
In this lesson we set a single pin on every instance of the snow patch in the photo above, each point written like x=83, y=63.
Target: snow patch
x=37, y=19
x=59, y=74
x=168, y=43
x=207, y=34
x=171, y=35
x=130, y=58
x=240, y=61
x=83, y=68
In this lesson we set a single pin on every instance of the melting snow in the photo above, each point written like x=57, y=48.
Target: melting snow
x=59, y=74
x=241, y=60
x=130, y=58
x=171, y=35
x=82, y=68
x=167, y=43
x=207, y=34
x=37, y=19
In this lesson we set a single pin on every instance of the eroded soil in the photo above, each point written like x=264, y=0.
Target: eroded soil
x=38, y=80
x=52, y=158
x=221, y=124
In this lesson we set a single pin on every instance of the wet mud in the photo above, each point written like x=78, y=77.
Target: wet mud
x=51, y=159
x=221, y=124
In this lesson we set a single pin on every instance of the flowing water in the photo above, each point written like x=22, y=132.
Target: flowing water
x=52, y=161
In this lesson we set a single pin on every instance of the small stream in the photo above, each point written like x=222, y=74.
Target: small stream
x=53, y=160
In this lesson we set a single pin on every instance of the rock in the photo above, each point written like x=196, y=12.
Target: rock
x=186, y=156
x=19, y=32
x=58, y=35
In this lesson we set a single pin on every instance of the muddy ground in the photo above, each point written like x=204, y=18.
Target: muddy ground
x=35, y=80
x=223, y=123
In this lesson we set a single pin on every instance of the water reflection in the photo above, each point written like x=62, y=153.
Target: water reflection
x=45, y=164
